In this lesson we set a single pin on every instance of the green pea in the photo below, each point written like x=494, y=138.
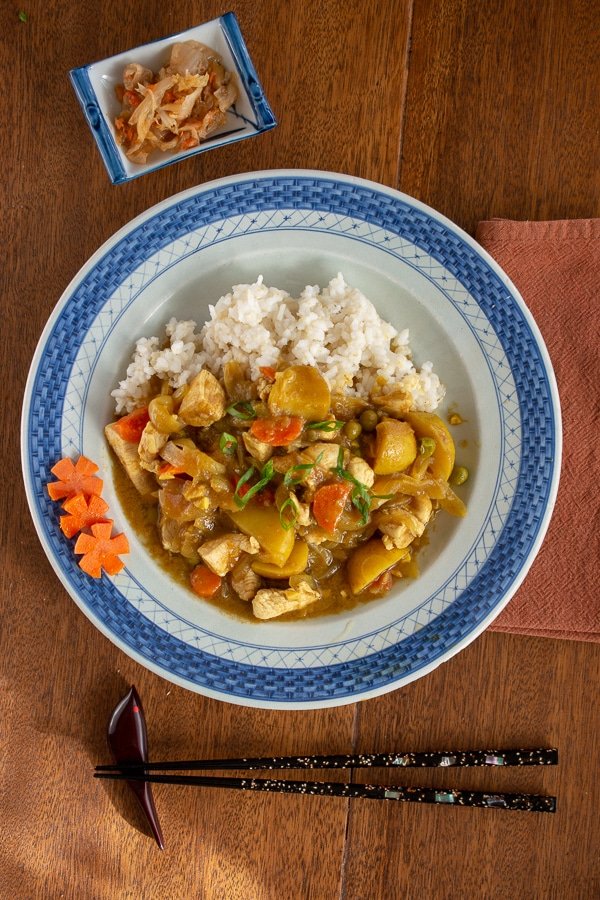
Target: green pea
x=427, y=447
x=368, y=419
x=459, y=475
x=352, y=430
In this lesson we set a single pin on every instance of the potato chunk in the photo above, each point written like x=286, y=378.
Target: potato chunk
x=369, y=561
x=262, y=522
x=395, y=447
x=295, y=565
x=300, y=391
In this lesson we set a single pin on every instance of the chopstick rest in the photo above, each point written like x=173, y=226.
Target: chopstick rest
x=127, y=739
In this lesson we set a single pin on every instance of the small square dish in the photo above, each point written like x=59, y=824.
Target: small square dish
x=95, y=86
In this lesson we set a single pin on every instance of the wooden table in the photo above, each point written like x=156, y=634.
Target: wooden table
x=479, y=109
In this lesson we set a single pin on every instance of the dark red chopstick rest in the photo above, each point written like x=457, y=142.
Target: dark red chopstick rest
x=128, y=743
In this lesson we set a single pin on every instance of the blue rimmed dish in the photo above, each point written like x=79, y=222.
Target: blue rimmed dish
x=95, y=85
x=422, y=272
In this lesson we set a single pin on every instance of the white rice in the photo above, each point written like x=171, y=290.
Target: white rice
x=337, y=330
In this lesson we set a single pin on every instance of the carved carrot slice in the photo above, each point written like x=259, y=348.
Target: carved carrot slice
x=100, y=551
x=82, y=512
x=78, y=478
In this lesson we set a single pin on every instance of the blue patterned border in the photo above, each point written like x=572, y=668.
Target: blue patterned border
x=506, y=558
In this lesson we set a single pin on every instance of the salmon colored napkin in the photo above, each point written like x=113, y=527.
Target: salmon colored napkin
x=556, y=267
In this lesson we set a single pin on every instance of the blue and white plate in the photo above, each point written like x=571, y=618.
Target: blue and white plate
x=95, y=86
x=422, y=272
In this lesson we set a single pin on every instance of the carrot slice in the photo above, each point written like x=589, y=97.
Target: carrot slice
x=101, y=551
x=82, y=512
x=278, y=431
x=268, y=372
x=204, y=582
x=78, y=478
x=130, y=427
x=328, y=504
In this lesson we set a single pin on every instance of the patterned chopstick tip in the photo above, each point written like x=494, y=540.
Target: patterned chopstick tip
x=465, y=758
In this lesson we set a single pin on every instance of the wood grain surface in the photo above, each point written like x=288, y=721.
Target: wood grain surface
x=480, y=109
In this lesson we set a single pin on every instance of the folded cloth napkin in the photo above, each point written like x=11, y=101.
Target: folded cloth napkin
x=556, y=267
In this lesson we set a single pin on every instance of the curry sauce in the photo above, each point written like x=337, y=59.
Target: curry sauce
x=277, y=499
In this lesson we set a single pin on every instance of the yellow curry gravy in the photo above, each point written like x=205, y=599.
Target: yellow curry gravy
x=142, y=517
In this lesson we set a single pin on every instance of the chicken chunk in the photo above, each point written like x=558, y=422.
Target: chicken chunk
x=181, y=538
x=269, y=603
x=151, y=443
x=244, y=580
x=222, y=553
x=204, y=403
x=327, y=456
x=257, y=449
x=362, y=471
x=127, y=454
x=400, y=526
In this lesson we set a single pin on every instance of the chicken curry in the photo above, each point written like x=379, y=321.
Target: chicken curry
x=280, y=495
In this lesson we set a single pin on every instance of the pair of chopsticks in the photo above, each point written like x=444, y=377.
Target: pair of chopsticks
x=144, y=772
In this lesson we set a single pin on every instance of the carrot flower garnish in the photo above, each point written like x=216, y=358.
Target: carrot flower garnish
x=101, y=551
x=82, y=512
x=78, y=478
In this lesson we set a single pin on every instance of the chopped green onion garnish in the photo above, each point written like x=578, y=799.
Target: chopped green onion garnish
x=288, y=514
x=241, y=501
x=23, y=17
x=291, y=479
x=265, y=476
x=228, y=443
x=339, y=466
x=295, y=474
x=361, y=496
x=329, y=426
x=243, y=410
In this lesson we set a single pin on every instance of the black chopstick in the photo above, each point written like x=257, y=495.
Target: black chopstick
x=438, y=759
x=526, y=802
